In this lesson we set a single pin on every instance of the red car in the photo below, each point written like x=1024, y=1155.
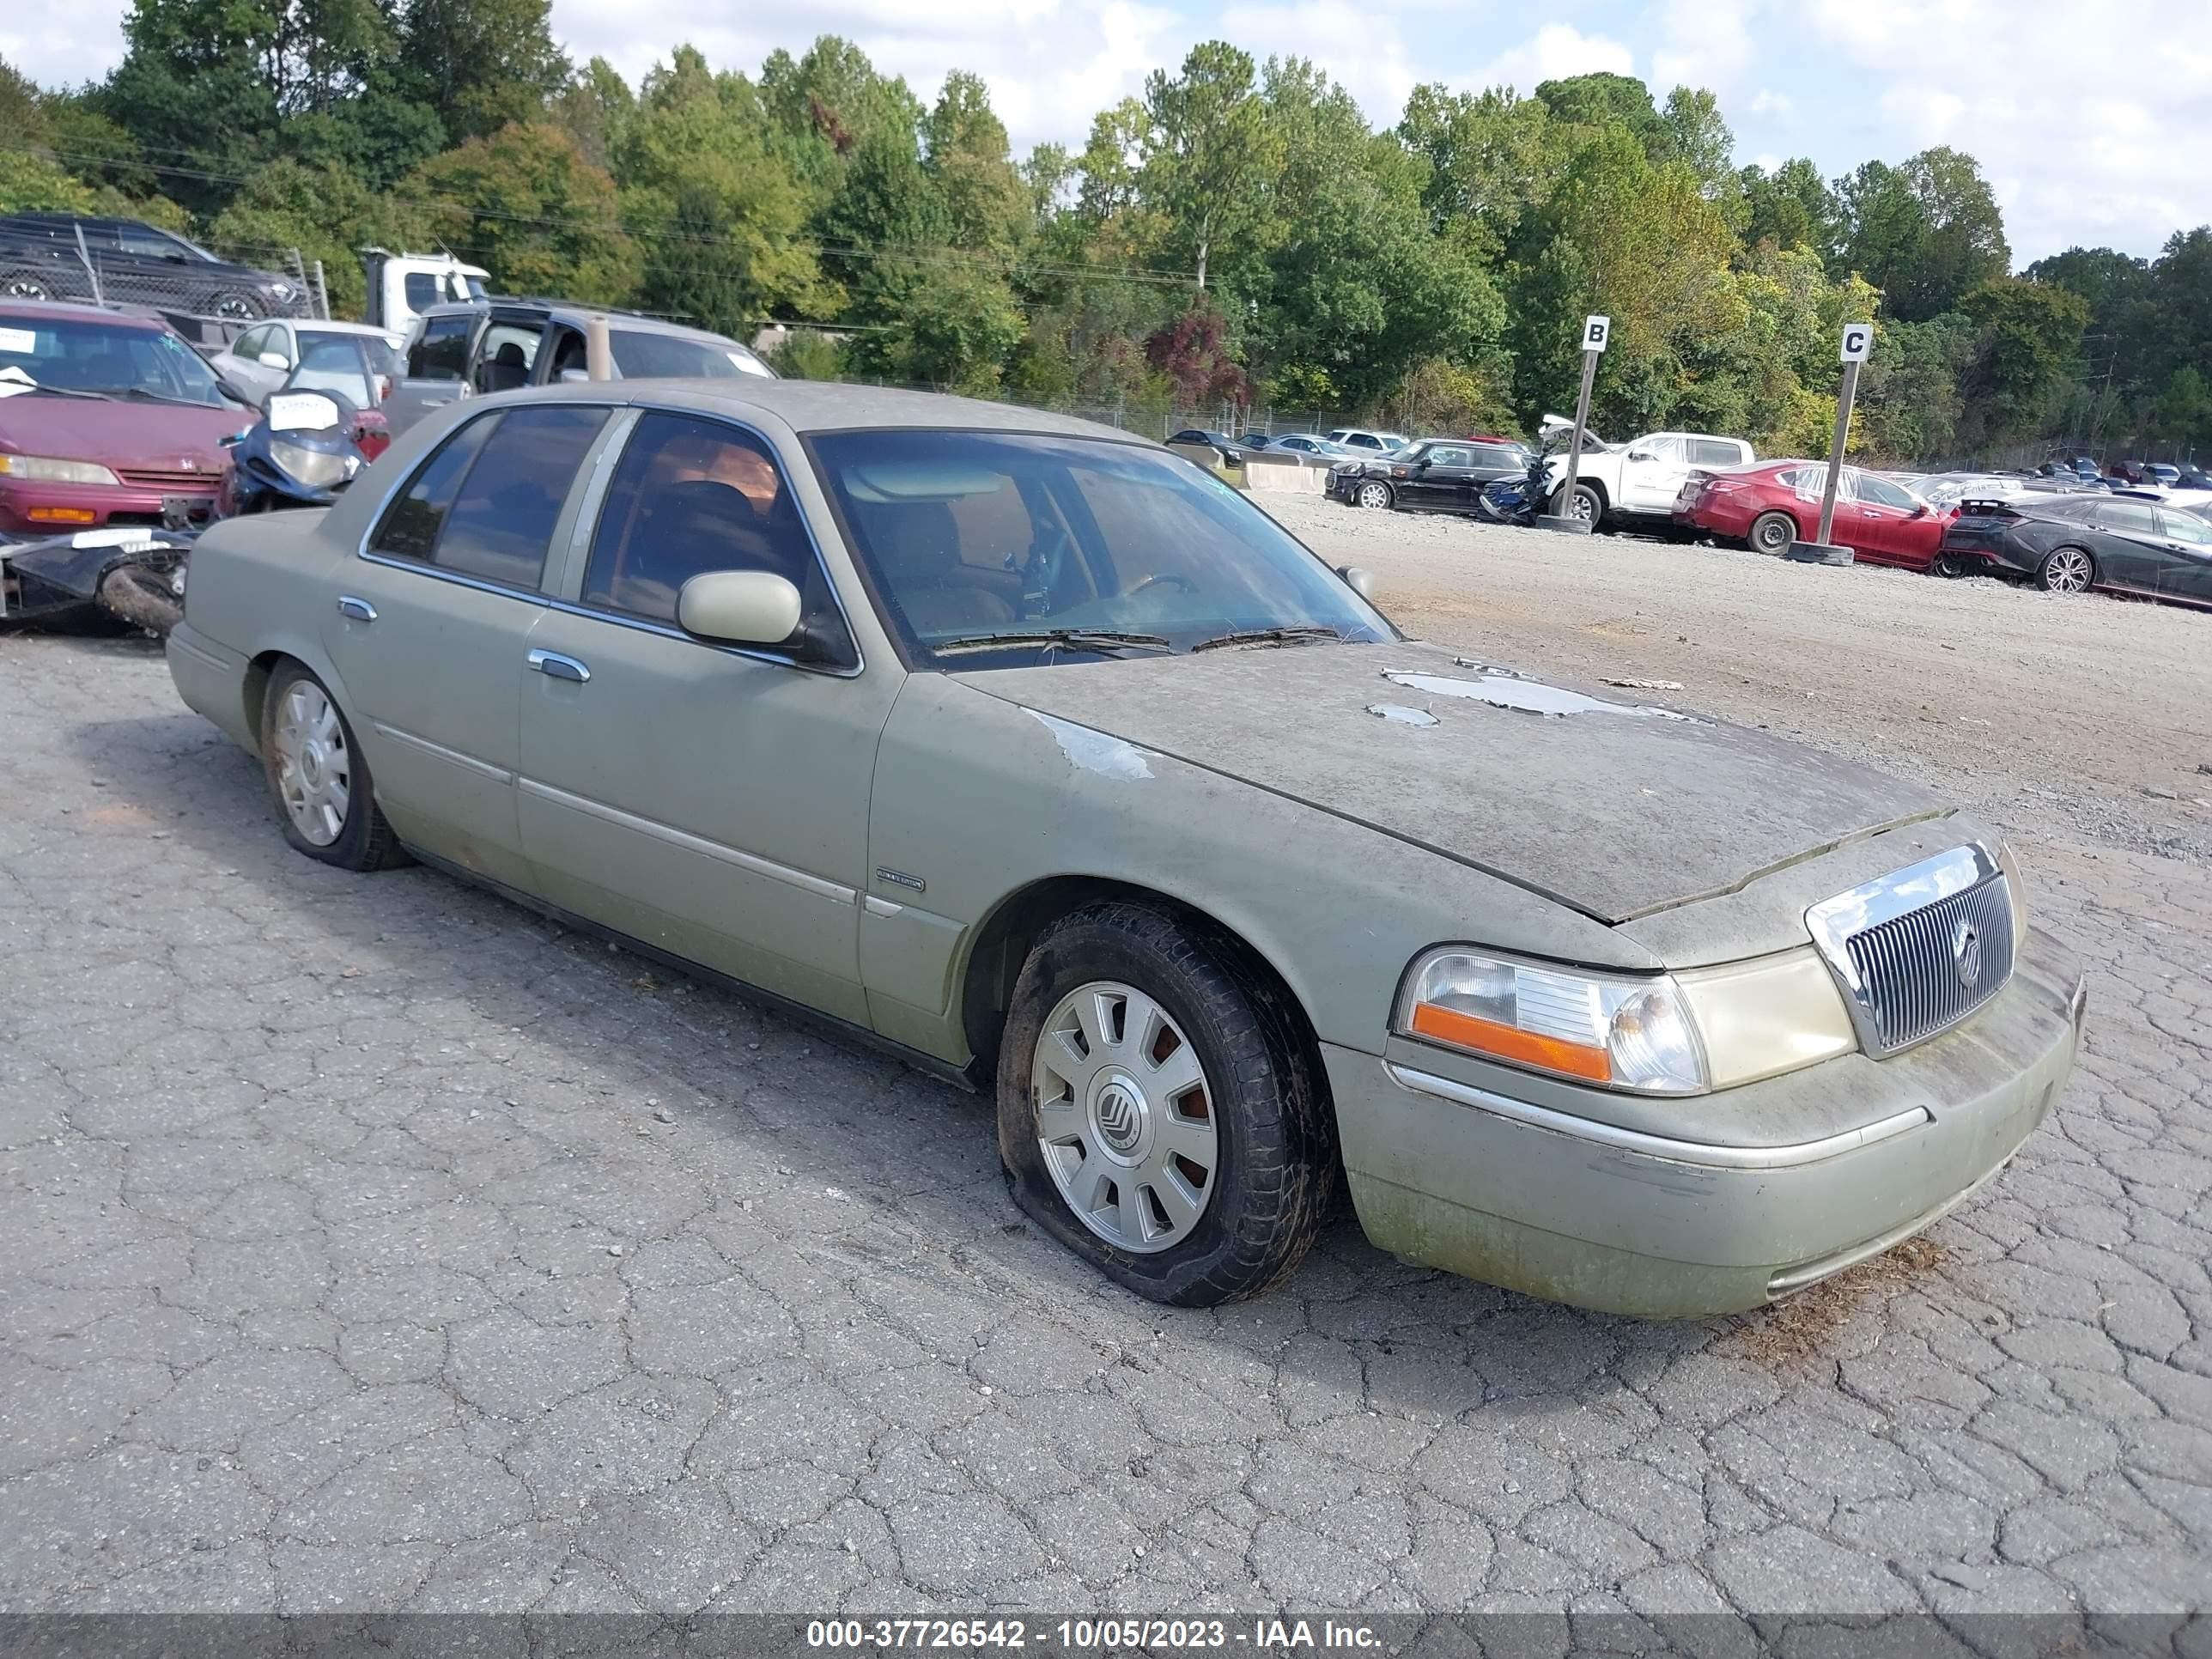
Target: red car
x=1775, y=503
x=102, y=415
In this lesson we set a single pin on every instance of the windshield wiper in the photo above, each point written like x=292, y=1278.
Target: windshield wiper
x=1297, y=636
x=1057, y=639
x=67, y=391
x=152, y=397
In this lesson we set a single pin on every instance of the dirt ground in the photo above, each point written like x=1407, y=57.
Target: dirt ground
x=2078, y=717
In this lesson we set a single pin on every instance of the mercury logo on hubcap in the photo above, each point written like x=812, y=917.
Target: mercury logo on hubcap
x=1120, y=1116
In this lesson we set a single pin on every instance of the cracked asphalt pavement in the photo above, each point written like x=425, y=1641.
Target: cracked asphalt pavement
x=369, y=1244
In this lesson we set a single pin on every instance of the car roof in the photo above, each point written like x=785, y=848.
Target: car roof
x=318, y=325
x=810, y=406
x=570, y=310
x=33, y=310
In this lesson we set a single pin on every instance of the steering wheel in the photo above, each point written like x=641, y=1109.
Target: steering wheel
x=1183, y=582
x=1040, y=574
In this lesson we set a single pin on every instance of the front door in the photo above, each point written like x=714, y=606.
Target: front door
x=436, y=369
x=2128, y=545
x=1443, y=479
x=1651, y=475
x=428, y=630
x=2186, y=573
x=706, y=800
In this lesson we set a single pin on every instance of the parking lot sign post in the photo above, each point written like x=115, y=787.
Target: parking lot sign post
x=1857, y=341
x=1596, y=330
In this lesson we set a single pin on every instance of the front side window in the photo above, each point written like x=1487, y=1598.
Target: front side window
x=421, y=289
x=440, y=352
x=1448, y=455
x=969, y=537
x=691, y=496
x=2185, y=527
x=485, y=504
x=1710, y=451
x=1882, y=493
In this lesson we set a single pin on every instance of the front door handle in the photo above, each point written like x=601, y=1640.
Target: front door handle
x=358, y=609
x=559, y=667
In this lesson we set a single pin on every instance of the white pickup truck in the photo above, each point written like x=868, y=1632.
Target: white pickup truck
x=1619, y=484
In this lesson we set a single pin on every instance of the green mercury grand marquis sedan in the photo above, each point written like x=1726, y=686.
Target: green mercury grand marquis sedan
x=1045, y=759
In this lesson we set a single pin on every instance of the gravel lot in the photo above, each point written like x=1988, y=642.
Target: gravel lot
x=368, y=1244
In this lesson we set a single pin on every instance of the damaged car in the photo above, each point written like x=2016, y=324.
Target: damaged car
x=1043, y=759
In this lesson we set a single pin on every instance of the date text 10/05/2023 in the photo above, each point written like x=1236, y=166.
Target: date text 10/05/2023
x=1083, y=1635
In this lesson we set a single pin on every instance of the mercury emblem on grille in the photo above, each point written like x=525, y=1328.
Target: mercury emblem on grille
x=1966, y=954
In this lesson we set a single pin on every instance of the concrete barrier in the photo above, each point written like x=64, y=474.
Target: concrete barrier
x=1291, y=477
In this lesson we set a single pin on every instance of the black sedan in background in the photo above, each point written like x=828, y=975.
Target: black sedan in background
x=2069, y=543
x=1232, y=449
x=42, y=258
x=1437, y=475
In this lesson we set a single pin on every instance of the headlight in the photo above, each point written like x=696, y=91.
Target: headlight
x=1618, y=1031
x=318, y=469
x=42, y=469
x=1669, y=1034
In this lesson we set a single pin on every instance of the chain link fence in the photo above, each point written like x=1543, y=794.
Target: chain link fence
x=206, y=302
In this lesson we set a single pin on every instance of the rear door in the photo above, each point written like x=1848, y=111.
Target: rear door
x=2186, y=573
x=437, y=369
x=506, y=351
x=2128, y=545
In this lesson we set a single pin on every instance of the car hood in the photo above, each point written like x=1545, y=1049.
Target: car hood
x=150, y=437
x=1595, y=798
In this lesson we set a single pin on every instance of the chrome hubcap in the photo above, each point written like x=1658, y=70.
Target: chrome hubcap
x=1125, y=1117
x=314, y=769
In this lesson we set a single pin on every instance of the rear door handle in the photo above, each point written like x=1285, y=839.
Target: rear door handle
x=359, y=610
x=559, y=667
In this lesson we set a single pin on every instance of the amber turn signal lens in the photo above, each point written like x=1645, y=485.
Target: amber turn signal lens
x=1510, y=1043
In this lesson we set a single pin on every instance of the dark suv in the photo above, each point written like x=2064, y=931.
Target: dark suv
x=468, y=347
x=41, y=257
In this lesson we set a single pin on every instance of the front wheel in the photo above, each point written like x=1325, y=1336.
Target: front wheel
x=1585, y=504
x=320, y=778
x=22, y=285
x=1772, y=532
x=1374, y=493
x=144, y=597
x=1156, y=1114
x=2067, y=570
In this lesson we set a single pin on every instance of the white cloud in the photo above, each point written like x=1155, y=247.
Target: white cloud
x=1767, y=101
x=1556, y=51
x=61, y=45
x=1380, y=74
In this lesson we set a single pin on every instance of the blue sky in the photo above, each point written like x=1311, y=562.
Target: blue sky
x=2093, y=119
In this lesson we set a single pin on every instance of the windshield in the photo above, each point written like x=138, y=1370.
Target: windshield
x=85, y=355
x=969, y=535
x=655, y=356
x=333, y=362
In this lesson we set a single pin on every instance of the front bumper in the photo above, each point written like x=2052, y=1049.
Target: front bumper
x=1573, y=1210
x=115, y=506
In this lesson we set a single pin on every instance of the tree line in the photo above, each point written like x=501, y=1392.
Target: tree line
x=1237, y=235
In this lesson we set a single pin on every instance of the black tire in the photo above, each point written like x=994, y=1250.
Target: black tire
x=1953, y=565
x=1277, y=1177
x=142, y=597
x=1772, y=532
x=1588, y=504
x=365, y=840
x=2056, y=574
x=236, y=305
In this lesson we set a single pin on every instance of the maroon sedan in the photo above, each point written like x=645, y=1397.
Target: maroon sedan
x=103, y=415
x=1775, y=503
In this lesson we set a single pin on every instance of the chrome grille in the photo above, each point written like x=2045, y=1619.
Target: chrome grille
x=1921, y=949
x=170, y=478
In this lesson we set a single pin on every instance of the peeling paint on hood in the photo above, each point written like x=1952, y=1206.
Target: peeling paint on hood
x=1614, y=815
x=1502, y=691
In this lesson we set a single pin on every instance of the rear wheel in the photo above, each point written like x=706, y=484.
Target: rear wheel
x=1953, y=565
x=22, y=285
x=142, y=597
x=2067, y=570
x=1772, y=532
x=1373, y=492
x=1156, y=1114
x=319, y=778
x=236, y=308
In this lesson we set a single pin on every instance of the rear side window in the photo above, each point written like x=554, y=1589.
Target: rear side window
x=2127, y=518
x=485, y=504
x=441, y=353
x=1708, y=452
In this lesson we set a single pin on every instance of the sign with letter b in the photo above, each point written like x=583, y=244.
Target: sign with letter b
x=1594, y=330
x=1858, y=340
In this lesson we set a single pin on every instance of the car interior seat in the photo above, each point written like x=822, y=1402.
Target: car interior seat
x=917, y=543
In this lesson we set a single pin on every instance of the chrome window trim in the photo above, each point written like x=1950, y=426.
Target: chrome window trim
x=587, y=530
x=1834, y=921
x=1636, y=1142
x=527, y=595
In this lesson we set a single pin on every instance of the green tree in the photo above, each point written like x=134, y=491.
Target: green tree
x=1211, y=158
x=717, y=204
x=328, y=213
x=956, y=326
x=1493, y=159
x=1924, y=233
x=987, y=204
x=1047, y=175
x=1602, y=101
x=2184, y=411
x=2028, y=345
x=1791, y=207
x=29, y=183
x=479, y=64
x=594, y=108
x=1697, y=138
x=537, y=215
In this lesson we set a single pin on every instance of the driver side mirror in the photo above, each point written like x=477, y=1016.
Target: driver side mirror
x=272, y=360
x=1919, y=510
x=1359, y=579
x=739, y=607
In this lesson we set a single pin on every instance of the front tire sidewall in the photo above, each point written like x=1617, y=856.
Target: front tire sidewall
x=364, y=843
x=1276, y=1178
